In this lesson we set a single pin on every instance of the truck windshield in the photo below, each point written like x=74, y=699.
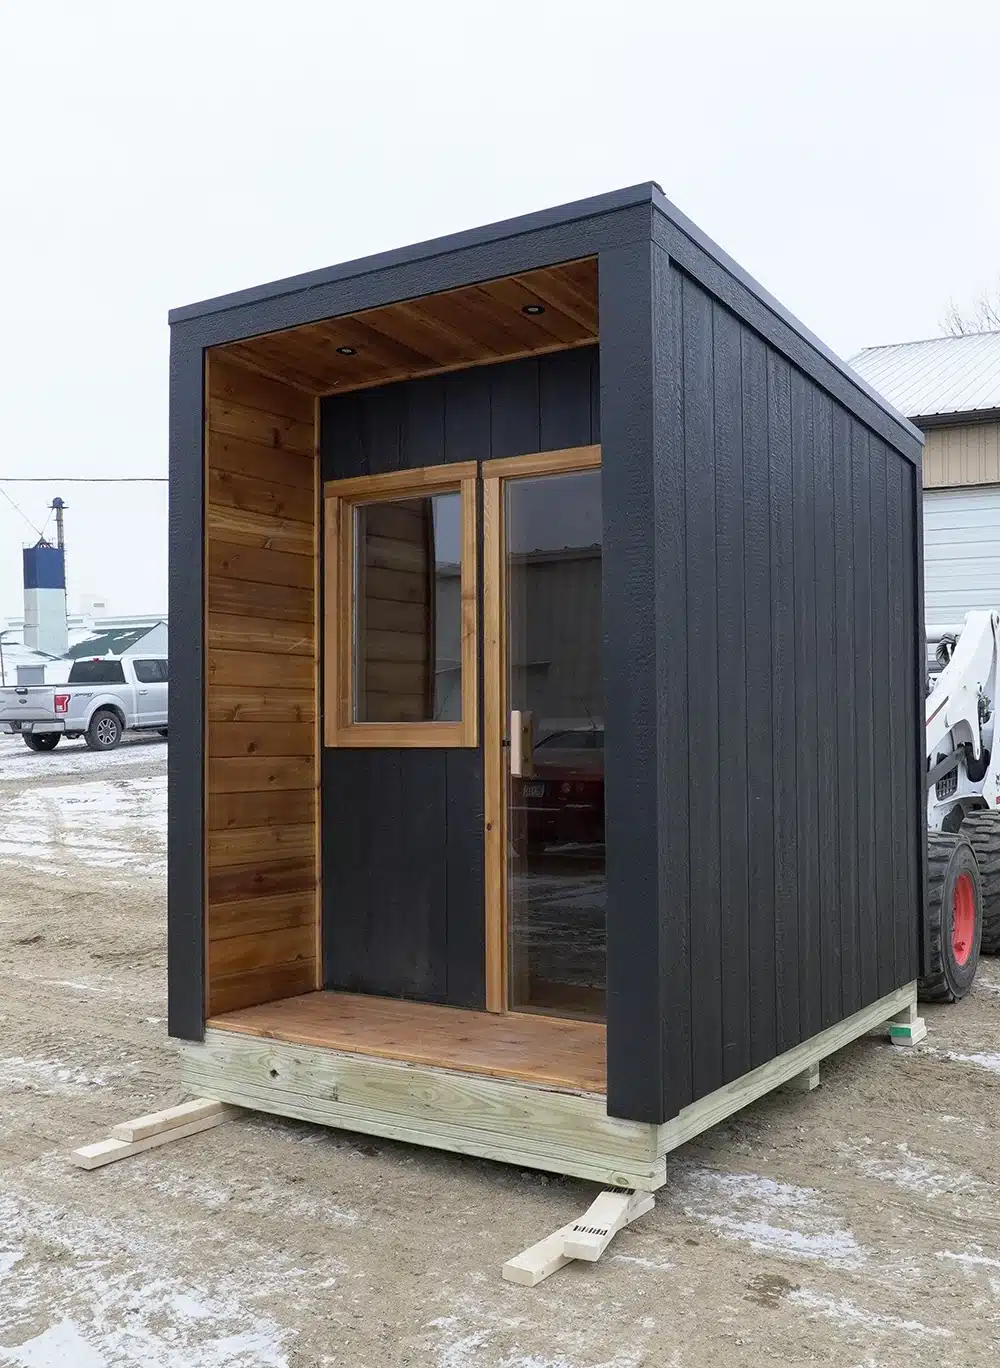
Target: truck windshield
x=97, y=672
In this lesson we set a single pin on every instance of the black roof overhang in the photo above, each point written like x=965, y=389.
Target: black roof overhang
x=545, y=238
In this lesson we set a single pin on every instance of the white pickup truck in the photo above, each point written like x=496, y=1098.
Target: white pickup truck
x=101, y=700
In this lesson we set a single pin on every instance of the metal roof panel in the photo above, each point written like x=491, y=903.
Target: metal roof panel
x=938, y=376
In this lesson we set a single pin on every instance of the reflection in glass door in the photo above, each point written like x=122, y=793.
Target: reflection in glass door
x=556, y=883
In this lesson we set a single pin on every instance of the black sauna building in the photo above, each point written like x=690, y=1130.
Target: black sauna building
x=545, y=613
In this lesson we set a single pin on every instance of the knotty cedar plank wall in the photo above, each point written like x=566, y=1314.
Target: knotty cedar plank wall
x=403, y=908
x=261, y=728
x=793, y=865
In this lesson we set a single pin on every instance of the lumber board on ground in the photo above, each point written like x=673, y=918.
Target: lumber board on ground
x=109, y=1151
x=168, y=1119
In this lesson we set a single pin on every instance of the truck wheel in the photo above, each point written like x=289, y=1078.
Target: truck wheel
x=44, y=741
x=983, y=830
x=105, y=730
x=954, y=918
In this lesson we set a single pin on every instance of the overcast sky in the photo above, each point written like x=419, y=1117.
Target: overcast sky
x=157, y=153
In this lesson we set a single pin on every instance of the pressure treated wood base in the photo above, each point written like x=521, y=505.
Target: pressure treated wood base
x=445, y=1105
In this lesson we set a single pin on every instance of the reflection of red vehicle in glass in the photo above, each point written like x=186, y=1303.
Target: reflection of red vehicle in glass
x=562, y=803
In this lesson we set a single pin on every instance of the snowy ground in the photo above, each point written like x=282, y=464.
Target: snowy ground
x=857, y=1227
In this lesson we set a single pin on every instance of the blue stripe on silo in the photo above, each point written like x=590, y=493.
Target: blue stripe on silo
x=44, y=567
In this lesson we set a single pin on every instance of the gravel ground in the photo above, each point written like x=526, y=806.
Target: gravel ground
x=858, y=1226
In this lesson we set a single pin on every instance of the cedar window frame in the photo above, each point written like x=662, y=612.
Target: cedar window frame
x=340, y=499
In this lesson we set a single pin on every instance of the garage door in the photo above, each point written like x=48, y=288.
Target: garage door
x=961, y=551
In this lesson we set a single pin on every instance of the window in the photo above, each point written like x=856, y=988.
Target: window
x=401, y=609
x=149, y=671
x=96, y=672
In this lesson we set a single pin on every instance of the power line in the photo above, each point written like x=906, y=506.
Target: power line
x=84, y=479
x=21, y=512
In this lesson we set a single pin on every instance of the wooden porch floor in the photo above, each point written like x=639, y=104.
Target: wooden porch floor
x=551, y=1051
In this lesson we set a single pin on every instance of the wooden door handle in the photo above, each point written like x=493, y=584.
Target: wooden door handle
x=522, y=744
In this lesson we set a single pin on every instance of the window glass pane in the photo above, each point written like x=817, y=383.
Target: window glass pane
x=97, y=672
x=147, y=671
x=408, y=610
x=556, y=869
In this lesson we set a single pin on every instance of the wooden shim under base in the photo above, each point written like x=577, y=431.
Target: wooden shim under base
x=159, y=1128
x=805, y=1081
x=586, y=1238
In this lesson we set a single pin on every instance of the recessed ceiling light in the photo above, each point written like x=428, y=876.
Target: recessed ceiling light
x=533, y=309
x=347, y=351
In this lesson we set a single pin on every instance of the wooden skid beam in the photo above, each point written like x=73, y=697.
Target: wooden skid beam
x=586, y=1238
x=159, y=1128
x=733, y=1097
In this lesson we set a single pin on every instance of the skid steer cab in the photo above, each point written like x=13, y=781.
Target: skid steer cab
x=963, y=804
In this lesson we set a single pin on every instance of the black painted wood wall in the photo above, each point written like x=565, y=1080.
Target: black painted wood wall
x=781, y=890
x=403, y=905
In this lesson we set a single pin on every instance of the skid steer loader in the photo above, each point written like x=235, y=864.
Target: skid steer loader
x=963, y=803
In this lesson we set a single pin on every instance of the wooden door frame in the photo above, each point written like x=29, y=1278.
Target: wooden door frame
x=495, y=700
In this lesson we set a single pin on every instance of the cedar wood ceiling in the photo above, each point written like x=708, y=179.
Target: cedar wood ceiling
x=470, y=326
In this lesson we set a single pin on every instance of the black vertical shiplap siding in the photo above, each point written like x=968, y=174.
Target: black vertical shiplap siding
x=913, y=696
x=185, y=758
x=731, y=604
x=761, y=732
x=786, y=915
x=641, y=1023
x=898, y=674
x=864, y=664
x=827, y=795
x=703, y=740
x=676, y=933
x=403, y=899
x=883, y=947
x=845, y=684
x=807, y=760
x=797, y=581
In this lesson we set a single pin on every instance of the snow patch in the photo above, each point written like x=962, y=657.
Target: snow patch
x=52, y=1076
x=56, y=1347
x=106, y=1311
x=104, y=824
x=900, y=1166
x=969, y=1260
x=982, y=1060
x=657, y=1265
x=844, y=1311
x=776, y=1218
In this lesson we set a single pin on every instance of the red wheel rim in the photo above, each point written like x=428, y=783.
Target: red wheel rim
x=963, y=918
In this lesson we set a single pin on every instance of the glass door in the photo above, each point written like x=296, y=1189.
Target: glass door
x=552, y=746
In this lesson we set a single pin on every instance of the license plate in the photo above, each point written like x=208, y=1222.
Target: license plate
x=533, y=791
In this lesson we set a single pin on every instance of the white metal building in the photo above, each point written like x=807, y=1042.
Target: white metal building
x=950, y=388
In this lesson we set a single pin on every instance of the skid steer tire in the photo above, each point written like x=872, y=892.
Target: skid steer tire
x=983, y=831
x=954, y=918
